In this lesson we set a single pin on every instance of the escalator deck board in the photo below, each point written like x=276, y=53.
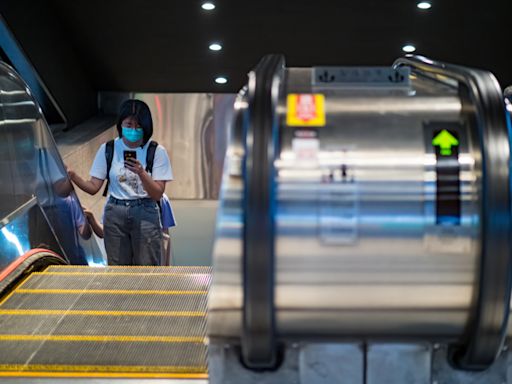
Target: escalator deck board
x=138, y=322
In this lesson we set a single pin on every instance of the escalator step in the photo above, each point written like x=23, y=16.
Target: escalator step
x=107, y=322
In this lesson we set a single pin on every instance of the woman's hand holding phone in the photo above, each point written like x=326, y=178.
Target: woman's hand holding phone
x=131, y=162
x=134, y=165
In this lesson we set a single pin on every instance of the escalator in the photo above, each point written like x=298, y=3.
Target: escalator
x=114, y=322
x=63, y=313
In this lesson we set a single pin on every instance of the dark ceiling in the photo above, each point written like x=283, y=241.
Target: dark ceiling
x=162, y=45
x=80, y=47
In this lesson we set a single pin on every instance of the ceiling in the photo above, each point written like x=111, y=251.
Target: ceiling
x=162, y=45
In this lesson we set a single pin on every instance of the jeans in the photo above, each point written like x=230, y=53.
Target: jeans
x=132, y=230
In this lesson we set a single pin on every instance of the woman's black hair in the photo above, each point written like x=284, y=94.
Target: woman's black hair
x=140, y=111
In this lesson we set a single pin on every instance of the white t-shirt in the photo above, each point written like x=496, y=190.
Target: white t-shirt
x=124, y=184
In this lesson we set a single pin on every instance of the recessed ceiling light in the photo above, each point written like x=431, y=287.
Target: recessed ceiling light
x=424, y=5
x=221, y=80
x=409, y=48
x=208, y=6
x=215, y=47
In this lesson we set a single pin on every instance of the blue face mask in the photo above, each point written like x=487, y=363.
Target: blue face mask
x=133, y=135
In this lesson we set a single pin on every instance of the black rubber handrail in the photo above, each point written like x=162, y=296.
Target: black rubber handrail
x=258, y=340
x=487, y=328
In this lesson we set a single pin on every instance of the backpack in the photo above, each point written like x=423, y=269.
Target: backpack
x=109, y=155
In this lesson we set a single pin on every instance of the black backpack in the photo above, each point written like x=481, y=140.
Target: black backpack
x=109, y=155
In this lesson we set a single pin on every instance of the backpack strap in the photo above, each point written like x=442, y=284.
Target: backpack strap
x=109, y=155
x=150, y=156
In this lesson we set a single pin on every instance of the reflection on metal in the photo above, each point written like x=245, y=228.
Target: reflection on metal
x=31, y=228
x=392, y=223
x=15, y=54
x=193, y=128
x=352, y=215
x=32, y=171
x=15, y=230
x=12, y=238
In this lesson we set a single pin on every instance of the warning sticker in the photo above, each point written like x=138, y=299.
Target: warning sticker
x=305, y=110
x=305, y=149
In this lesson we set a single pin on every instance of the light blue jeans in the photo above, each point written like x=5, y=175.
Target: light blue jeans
x=133, y=232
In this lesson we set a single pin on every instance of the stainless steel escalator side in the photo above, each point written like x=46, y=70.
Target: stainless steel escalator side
x=31, y=168
x=390, y=216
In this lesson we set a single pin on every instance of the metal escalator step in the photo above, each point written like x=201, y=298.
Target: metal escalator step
x=96, y=323
x=108, y=302
x=115, y=322
x=69, y=269
x=136, y=280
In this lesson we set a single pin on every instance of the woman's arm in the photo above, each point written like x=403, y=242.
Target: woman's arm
x=91, y=186
x=155, y=189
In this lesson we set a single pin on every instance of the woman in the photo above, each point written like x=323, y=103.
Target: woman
x=132, y=228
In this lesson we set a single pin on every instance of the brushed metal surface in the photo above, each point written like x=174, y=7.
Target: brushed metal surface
x=358, y=251
x=193, y=128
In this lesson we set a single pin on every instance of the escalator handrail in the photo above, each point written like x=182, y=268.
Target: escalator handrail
x=31, y=261
x=258, y=339
x=487, y=328
x=20, y=260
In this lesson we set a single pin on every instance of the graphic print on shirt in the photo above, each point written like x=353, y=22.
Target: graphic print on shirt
x=130, y=182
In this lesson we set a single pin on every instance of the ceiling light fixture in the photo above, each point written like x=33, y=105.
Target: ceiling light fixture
x=409, y=48
x=215, y=47
x=424, y=5
x=208, y=6
x=221, y=80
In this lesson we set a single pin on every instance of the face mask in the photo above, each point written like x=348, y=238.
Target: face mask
x=133, y=135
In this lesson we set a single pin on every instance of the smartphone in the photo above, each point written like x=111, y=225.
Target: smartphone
x=129, y=155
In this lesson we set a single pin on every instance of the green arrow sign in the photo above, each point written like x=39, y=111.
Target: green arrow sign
x=445, y=141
